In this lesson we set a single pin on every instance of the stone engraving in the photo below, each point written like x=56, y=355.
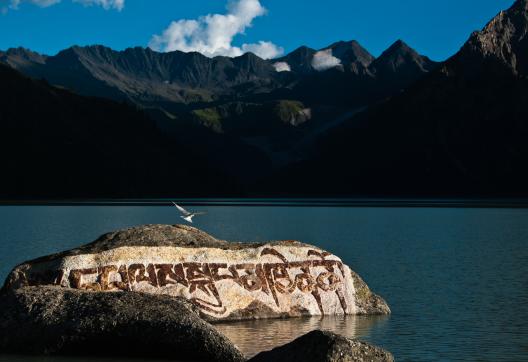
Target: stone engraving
x=312, y=276
x=225, y=280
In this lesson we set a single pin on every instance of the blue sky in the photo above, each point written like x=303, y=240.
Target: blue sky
x=434, y=28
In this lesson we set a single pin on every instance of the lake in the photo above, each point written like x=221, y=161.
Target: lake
x=456, y=279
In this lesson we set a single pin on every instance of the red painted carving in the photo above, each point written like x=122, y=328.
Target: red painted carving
x=273, y=278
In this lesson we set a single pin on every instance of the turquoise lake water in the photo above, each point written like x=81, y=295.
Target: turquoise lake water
x=456, y=279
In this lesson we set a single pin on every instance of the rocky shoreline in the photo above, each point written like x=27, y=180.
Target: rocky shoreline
x=150, y=291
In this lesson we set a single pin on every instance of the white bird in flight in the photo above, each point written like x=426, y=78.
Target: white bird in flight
x=186, y=215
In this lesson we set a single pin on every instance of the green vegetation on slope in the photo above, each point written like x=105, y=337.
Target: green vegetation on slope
x=285, y=109
x=208, y=117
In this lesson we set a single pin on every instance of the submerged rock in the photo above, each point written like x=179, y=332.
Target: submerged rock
x=224, y=280
x=319, y=346
x=54, y=320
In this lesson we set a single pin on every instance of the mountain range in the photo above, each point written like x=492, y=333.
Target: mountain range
x=333, y=121
x=459, y=131
x=149, y=78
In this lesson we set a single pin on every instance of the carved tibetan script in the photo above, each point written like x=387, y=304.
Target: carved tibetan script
x=281, y=277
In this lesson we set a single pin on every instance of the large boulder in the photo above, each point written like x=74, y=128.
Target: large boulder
x=55, y=320
x=319, y=346
x=225, y=280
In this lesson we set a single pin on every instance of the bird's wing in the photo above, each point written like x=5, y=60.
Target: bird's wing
x=198, y=213
x=181, y=209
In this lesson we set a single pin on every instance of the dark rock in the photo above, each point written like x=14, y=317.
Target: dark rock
x=367, y=301
x=319, y=346
x=59, y=321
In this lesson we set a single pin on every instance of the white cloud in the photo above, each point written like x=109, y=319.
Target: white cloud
x=13, y=4
x=213, y=34
x=282, y=67
x=264, y=49
x=323, y=60
x=106, y=4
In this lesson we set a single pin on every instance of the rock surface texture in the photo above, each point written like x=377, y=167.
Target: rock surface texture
x=319, y=346
x=54, y=320
x=224, y=280
x=503, y=41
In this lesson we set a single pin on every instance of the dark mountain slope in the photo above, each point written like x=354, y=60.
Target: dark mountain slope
x=55, y=144
x=238, y=114
x=461, y=130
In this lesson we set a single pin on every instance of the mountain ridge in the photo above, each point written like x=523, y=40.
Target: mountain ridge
x=459, y=130
x=191, y=69
x=181, y=84
x=503, y=40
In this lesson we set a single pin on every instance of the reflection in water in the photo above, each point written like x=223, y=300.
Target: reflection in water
x=271, y=333
x=252, y=337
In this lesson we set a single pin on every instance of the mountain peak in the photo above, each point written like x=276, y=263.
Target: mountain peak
x=503, y=39
x=399, y=56
x=342, y=43
x=89, y=47
x=399, y=47
x=299, y=60
x=399, y=51
x=83, y=50
x=249, y=55
x=521, y=4
x=20, y=50
x=351, y=52
x=303, y=48
x=22, y=57
x=302, y=51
